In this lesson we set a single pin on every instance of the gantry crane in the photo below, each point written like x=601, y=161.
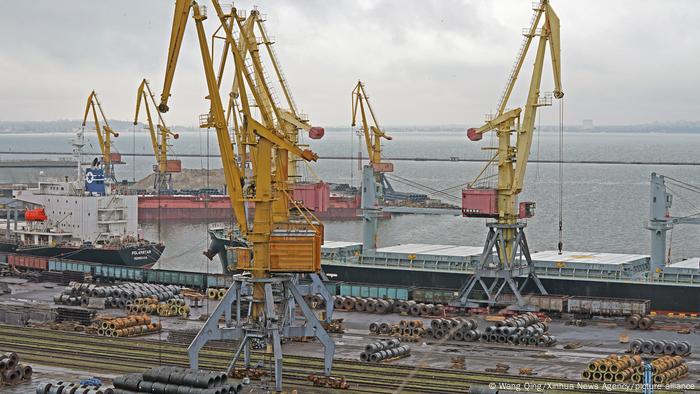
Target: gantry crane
x=104, y=134
x=373, y=172
x=159, y=138
x=270, y=249
x=506, y=256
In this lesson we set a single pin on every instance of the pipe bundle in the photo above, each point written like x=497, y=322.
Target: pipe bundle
x=613, y=368
x=128, y=326
x=654, y=347
x=76, y=388
x=456, y=329
x=637, y=321
x=406, y=329
x=383, y=350
x=117, y=296
x=524, y=329
x=370, y=305
x=13, y=372
x=216, y=294
x=173, y=307
x=166, y=380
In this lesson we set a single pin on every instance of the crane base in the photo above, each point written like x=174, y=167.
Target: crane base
x=281, y=295
x=515, y=271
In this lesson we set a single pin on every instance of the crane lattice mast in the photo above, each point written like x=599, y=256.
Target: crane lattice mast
x=506, y=255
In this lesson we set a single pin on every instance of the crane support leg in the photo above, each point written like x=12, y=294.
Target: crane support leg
x=279, y=292
x=516, y=266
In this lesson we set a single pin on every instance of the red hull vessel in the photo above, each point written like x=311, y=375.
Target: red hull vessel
x=315, y=196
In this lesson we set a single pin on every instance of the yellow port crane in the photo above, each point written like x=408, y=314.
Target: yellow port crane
x=373, y=133
x=506, y=236
x=269, y=249
x=104, y=134
x=160, y=134
x=287, y=120
x=373, y=172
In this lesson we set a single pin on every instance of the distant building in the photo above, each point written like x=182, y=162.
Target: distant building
x=587, y=124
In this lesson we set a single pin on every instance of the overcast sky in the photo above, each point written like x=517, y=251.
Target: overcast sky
x=424, y=62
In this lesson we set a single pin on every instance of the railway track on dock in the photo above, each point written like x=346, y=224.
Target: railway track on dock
x=123, y=355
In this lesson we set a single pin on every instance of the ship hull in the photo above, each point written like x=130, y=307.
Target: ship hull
x=8, y=246
x=664, y=297
x=131, y=256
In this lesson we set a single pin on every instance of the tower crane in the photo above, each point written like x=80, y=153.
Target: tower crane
x=270, y=249
x=160, y=134
x=104, y=134
x=506, y=245
x=373, y=172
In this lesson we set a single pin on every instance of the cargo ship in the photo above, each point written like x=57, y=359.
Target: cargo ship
x=570, y=273
x=79, y=221
x=328, y=201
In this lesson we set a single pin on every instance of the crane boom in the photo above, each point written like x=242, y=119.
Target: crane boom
x=373, y=133
x=104, y=131
x=512, y=159
x=159, y=134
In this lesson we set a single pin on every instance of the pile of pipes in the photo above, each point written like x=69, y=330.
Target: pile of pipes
x=408, y=330
x=77, y=388
x=12, y=372
x=128, y=326
x=456, y=329
x=80, y=315
x=666, y=369
x=637, y=321
x=173, y=307
x=384, y=350
x=524, y=329
x=216, y=294
x=369, y=305
x=167, y=380
x=315, y=300
x=654, y=347
x=612, y=368
x=117, y=296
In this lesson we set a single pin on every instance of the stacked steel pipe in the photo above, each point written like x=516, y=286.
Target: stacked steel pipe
x=666, y=369
x=456, y=329
x=654, y=347
x=524, y=329
x=384, y=350
x=407, y=330
x=420, y=309
x=358, y=304
x=13, y=372
x=67, y=387
x=215, y=294
x=314, y=300
x=167, y=380
x=637, y=321
x=612, y=368
x=173, y=307
x=117, y=296
x=128, y=326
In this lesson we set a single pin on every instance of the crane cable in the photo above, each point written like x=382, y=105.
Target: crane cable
x=560, y=245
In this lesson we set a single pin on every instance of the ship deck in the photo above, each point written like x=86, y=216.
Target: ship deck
x=573, y=265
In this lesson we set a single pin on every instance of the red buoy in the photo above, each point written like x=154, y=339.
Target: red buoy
x=35, y=215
